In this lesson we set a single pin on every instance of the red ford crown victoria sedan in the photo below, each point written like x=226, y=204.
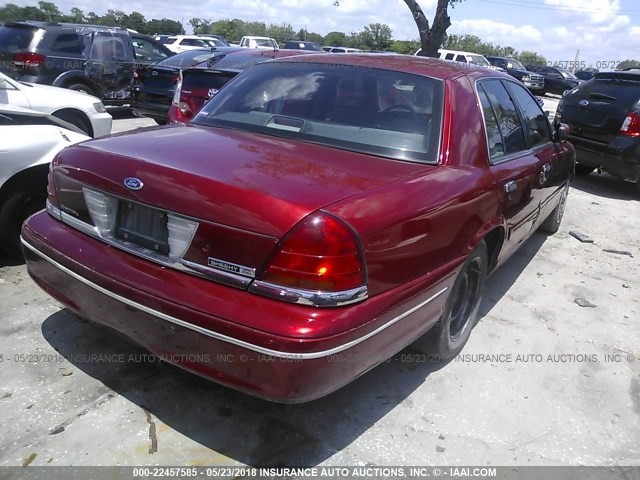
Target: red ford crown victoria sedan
x=317, y=216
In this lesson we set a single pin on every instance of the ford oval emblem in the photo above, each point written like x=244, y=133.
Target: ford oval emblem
x=133, y=183
x=583, y=103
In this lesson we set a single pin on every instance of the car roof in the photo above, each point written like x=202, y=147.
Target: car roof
x=426, y=66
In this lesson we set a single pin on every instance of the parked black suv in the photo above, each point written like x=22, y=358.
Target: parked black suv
x=533, y=81
x=604, y=117
x=556, y=80
x=94, y=59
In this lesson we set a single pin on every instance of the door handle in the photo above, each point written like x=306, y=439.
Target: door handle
x=510, y=187
x=544, y=174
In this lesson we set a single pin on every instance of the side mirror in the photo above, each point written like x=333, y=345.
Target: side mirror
x=561, y=133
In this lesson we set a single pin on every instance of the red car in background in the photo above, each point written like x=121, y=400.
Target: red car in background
x=198, y=84
x=317, y=216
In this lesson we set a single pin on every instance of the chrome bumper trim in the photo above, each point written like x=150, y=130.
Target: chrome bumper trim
x=309, y=297
x=225, y=338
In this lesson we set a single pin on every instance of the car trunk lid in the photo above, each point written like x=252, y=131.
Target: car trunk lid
x=245, y=190
x=199, y=85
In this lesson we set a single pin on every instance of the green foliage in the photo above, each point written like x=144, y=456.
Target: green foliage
x=49, y=12
x=628, y=64
x=406, y=47
x=472, y=43
x=375, y=36
x=531, y=58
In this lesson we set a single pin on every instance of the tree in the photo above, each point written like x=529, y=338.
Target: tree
x=50, y=11
x=281, y=33
x=431, y=35
x=335, y=39
x=531, y=58
x=377, y=36
x=77, y=15
x=628, y=64
x=11, y=12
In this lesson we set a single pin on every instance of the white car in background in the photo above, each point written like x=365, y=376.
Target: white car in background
x=84, y=111
x=28, y=142
x=252, y=41
x=182, y=43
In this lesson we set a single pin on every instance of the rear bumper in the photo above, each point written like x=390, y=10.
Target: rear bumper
x=151, y=109
x=534, y=86
x=223, y=348
x=620, y=157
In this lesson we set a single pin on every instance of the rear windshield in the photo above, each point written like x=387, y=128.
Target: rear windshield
x=15, y=39
x=206, y=78
x=380, y=112
x=187, y=59
x=624, y=91
x=304, y=46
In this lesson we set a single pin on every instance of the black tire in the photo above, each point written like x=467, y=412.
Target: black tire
x=160, y=122
x=552, y=223
x=584, y=169
x=449, y=335
x=542, y=92
x=77, y=119
x=20, y=205
x=80, y=87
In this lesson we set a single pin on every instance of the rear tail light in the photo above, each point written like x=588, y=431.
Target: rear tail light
x=320, y=254
x=631, y=125
x=28, y=60
x=181, y=233
x=180, y=103
x=103, y=211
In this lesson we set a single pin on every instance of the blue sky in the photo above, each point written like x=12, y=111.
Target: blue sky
x=603, y=30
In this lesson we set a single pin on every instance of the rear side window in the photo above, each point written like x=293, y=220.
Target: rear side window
x=494, y=139
x=508, y=120
x=70, y=43
x=111, y=47
x=15, y=39
x=461, y=58
x=534, y=118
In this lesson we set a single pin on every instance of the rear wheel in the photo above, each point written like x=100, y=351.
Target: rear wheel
x=77, y=119
x=449, y=335
x=80, y=87
x=16, y=209
x=583, y=169
x=160, y=122
x=552, y=223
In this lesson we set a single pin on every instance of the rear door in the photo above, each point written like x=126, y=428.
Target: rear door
x=554, y=164
x=597, y=109
x=111, y=63
x=513, y=165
